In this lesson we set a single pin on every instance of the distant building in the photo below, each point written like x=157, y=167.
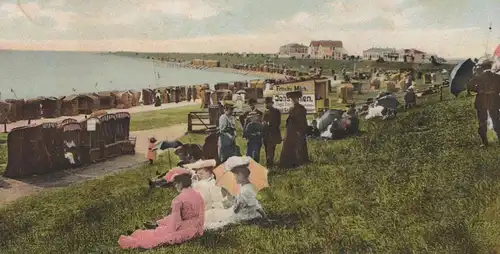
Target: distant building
x=415, y=56
x=388, y=54
x=293, y=50
x=327, y=50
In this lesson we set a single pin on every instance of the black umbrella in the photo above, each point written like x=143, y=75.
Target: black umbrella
x=388, y=101
x=460, y=76
x=166, y=144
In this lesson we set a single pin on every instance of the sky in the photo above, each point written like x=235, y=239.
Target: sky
x=448, y=28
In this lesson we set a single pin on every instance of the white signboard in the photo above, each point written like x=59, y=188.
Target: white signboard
x=91, y=124
x=283, y=104
x=239, y=101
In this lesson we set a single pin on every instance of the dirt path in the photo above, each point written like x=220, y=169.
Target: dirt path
x=16, y=189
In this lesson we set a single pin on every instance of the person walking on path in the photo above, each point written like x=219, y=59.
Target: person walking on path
x=272, y=133
x=294, y=152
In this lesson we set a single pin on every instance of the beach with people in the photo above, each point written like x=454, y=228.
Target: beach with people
x=246, y=127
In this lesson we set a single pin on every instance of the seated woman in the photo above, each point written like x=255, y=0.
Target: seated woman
x=185, y=157
x=204, y=182
x=185, y=222
x=246, y=206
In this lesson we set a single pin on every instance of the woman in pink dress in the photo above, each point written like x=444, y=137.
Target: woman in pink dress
x=185, y=222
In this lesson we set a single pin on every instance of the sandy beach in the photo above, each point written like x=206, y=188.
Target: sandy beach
x=265, y=75
x=138, y=109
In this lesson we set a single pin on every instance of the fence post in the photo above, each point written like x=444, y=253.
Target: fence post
x=441, y=92
x=190, y=123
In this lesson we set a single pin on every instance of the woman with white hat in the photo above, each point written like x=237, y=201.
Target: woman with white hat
x=246, y=206
x=205, y=183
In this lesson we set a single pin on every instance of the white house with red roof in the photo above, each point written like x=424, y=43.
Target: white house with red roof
x=326, y=49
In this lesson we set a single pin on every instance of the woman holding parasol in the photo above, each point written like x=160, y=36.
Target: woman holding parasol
x=245, y=206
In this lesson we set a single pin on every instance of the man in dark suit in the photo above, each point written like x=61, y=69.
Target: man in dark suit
x=487, y=86
x=272, y=133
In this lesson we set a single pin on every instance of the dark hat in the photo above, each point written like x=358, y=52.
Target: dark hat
x=294, y=94
x=252, y=100
x=269, y=100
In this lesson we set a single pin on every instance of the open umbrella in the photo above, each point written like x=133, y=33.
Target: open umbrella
x=388, y=101
x=225, y=179
x=328, y=118
x=166, y=144
x=460, y=76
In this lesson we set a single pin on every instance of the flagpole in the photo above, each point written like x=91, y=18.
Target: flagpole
x=487, y=41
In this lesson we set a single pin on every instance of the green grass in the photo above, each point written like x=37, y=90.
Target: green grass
x=161, y=118
x=327, y=65
x=418, y=184
x=3, y=152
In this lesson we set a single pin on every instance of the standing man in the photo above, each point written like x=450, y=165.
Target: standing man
x=486, y=84
x=272, y=133
x=294, y=152
x=177, y=95
x=227, y=133
x=195, y=93
x=408, y=81
x=158, y=99
x=252, y=103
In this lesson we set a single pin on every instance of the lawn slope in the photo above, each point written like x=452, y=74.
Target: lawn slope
x=417, y=184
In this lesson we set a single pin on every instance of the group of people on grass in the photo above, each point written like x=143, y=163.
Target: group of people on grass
x=263, y=128
x=201, y=204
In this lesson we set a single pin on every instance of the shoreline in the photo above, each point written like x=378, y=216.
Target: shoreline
x=265, y=75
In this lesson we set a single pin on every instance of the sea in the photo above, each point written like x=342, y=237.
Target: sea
x=29, y=74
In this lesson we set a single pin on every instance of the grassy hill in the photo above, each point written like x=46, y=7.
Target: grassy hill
x=418, y=184
x=327, y=65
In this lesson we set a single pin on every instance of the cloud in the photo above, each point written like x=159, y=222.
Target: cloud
x=245, y=26
x=32, y=12
x=191, y=9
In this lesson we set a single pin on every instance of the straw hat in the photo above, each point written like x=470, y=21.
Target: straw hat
x=229, y=104
x=171, y=174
